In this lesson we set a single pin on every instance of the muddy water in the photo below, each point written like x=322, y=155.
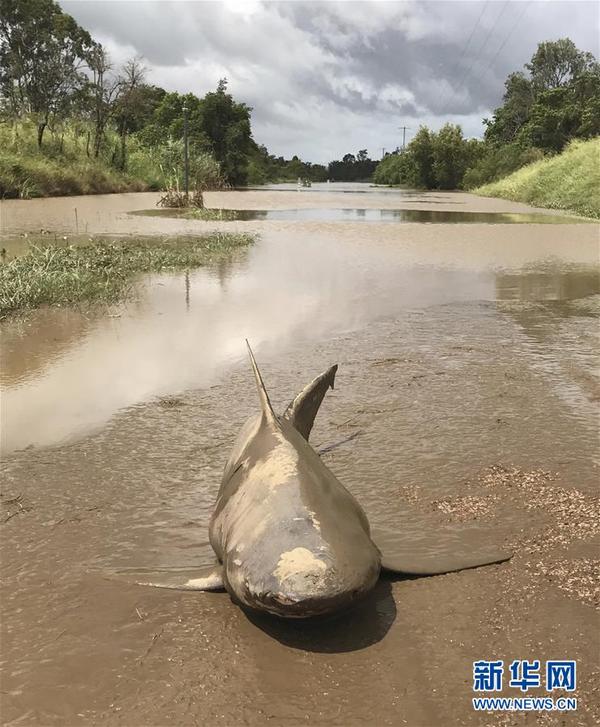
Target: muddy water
x=348, y=214
x=461, y=347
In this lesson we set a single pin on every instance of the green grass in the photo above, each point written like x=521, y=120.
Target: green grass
x=103, y=271
x=38, y=176
x=65, y=165
x=569, y=181
x=211, y=215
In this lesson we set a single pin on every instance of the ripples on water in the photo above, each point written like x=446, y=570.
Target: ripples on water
x=434, y=323
x=458, y=347
x=64, y=373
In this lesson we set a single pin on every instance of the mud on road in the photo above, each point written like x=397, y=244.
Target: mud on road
x=468, y=373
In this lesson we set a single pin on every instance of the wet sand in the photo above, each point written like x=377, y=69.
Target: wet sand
x=468, y=371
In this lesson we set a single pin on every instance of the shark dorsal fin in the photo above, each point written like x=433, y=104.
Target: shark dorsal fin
x=265, y=403
x=303, y=409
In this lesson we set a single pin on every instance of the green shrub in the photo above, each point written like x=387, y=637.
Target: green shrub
x=394, y=169
x=499, y=161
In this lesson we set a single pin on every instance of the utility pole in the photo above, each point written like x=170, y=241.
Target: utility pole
x=186, y=155
x=403, y=128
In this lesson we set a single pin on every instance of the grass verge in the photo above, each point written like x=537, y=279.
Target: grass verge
x=67, y=164
x=102, y=272
x=38, y=176
x=569, y=181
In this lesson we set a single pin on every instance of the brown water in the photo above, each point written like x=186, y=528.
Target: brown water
x=461, y=347
x=349, y=214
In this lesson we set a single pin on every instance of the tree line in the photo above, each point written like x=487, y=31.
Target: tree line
x=555, y=99
x=58, y=80
x=52, y=72
x=56, y=77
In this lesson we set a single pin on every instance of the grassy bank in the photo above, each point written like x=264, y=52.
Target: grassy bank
x=102, y=272
x=67, y=164
x=35, y=175
x=569, y=181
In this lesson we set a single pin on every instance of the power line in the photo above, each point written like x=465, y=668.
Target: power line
x=466, y=46
x=491, y=30
x=477, y=56
x=462, y=55
x=505, y=41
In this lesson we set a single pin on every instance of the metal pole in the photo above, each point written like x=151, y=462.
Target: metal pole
x=404, y=128
x=186, y=155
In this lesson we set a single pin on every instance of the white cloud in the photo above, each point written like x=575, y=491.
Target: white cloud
x=325, y=78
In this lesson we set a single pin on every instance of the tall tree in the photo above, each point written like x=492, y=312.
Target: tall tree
x=43, y=53
x=167, y=121
x=127, y=104
x=557, y=63
x=545, y=106
x=103, y=90
x=519, y=96
x=449, y=157
x=226, y=124
x=421, y=150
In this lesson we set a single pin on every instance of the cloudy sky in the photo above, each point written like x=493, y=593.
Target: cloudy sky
x=326, y=78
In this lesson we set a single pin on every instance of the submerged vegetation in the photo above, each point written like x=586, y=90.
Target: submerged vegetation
x=209, y=214
x=102, y=271
x=569, y=181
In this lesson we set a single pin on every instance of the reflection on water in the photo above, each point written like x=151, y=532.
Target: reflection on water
x=65, y=374
x=332, y=188
x=455, y=353
x=329, y=214
x=547, y=284
x=337, y=188
x=30, y=344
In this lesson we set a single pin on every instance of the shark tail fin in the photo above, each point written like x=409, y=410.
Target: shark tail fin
x=265, y=403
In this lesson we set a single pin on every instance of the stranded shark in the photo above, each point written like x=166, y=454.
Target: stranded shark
x=290, y=539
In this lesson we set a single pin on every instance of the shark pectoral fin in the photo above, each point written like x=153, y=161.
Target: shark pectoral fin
x=330, y=447
x=303, y=409
x=209, y=578
x=438, y=550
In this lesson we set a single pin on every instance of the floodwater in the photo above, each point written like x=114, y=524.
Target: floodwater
x=328, y=214
x=462, y=348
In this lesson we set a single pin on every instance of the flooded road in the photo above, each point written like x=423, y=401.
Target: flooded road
x=468, y=359
x=348, y=214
